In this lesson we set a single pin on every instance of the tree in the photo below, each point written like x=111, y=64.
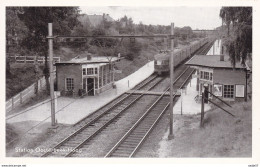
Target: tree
x=36, y=19
x=239, y=39
x=15, y=33
x=141, y=27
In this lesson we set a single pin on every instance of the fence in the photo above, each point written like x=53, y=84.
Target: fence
x=30, y=59
x=24, y=95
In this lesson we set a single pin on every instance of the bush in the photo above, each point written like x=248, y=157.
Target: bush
x=133, y=50
x=130, y=56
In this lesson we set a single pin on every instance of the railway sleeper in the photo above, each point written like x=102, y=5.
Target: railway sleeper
x=140, y=133
x=73, y=143
x=123, y=151
x=128, y=145
x=132, y=141
x=141, y=130
x=135, y=137
x=120, y=155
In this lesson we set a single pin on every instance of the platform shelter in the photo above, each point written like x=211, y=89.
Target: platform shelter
x=85, y=75
x=216, y=73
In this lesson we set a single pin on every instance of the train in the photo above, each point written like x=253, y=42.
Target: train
x=162, y=59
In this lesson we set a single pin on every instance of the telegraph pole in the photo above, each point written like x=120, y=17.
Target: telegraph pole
x=50, y=40
x=171, y=136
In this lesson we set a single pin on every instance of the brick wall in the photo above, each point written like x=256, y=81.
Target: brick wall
x=69, y=71
x=229, y=76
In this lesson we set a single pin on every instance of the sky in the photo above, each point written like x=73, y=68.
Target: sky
x=195, y=17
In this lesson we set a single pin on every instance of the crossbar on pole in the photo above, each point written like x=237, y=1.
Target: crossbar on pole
x=221, y=108
x=219, y=99
x=118, y=36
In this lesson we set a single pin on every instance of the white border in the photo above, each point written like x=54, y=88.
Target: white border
x=140, y=161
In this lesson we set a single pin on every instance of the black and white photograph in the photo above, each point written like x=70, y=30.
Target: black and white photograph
x=124, y=81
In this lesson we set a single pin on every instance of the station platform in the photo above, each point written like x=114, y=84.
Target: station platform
x=71, y=110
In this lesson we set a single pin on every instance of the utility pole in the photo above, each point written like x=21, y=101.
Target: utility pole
x=50, y=40
x=171, y=136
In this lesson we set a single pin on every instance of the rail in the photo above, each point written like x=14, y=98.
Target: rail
x=23, y=96
x=31, y=59
x=100, y=116
x=90, y=125
x=131, y=130
x=143, y=117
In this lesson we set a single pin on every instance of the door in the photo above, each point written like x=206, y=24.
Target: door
x=90, y=86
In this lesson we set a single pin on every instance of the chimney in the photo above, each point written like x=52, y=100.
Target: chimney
x=88, y=57
x=221, y=57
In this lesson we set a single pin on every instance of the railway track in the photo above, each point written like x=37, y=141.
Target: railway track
x=131, y=142
x=89, y=128
x=99, y=120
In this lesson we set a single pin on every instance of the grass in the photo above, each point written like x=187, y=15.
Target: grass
x=222, y=135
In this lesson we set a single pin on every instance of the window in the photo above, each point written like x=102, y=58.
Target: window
x=96, y=70
x=104, y=75
x=84, y=71
x=228, y=91
x=206, y=75
x=210, y=76
x=108, y=77
x=90, y=71
x=69, y=84
x=100, y=77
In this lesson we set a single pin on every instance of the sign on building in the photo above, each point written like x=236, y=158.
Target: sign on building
x=240, y=92
x=217, y=90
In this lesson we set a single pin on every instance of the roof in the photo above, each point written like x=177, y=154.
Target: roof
x=83, y=59
x=212, y=61
x=94, y=20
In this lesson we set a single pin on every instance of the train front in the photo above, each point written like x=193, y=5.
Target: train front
x=161, y=63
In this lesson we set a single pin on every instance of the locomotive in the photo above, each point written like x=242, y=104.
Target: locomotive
x=162, y=60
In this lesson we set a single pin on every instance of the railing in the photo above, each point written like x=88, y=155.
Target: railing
x=31, y=59
x=24, y=95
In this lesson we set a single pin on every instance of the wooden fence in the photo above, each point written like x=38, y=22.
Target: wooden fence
x=30, y=59
x=24, y=95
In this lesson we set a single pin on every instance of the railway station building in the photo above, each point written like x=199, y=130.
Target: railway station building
x=85, y=75
x=217, y=74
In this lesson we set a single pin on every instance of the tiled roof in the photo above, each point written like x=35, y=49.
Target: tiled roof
x=212, y=61
x=94, y=20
